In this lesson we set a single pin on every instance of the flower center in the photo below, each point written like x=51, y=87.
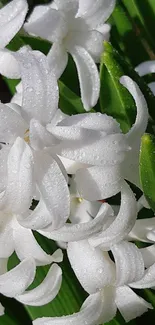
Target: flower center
x=26, y=136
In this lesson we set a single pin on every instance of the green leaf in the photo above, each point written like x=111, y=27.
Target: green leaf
x=147, y=168
x=143, y=19
x=69, y=102
x=124, y=36
x=115, y=100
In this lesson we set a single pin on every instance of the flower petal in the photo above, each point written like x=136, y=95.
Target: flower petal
x=46, y=291
x=82, y=210
x=12, y=17
x=92, y=121
x=50, y=24
x=53, y=188
x=145, y=68
x=26, y=246
x=3, y=265
x=129, y=263
x=141, y=122
x=88, y=76
x=90, y=40
x=103, y=181
x=152, y=87
x=39, y=218
x=4, y=151
x=1, y=310
x=95, y=13
x=68, y=5
x=93, y=268
x=141, y=230
x=122, y=224
x=17, y=280
x=19, y=191
x=147, y=281
x=12, y=124
x=90, y=146
x=76, y=232
x=130, y=304
x=39, y=136
x=89, y=314
x=39, y=101
x=57, y=59
x=6, y=235
x=9, y=66
x=148, y=254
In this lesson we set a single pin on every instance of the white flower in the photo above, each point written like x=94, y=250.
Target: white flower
x=39, y=107
x=107, y=283
x=77, y=27
x=26, y=166
x=16, y=192
x=12, y=17
x=95, y=140
x=105, y=229
x=146, y=68
x=14, y=283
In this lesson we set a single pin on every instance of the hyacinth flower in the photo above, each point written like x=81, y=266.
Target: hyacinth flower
x=27, y=169
x=145, y=68
x=109, y=284
x=105, y=229
x=14, y=283
x=76, y=27
x=96, y=140
x=12, y=18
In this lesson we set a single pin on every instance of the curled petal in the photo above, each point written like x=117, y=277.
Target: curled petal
x=53, y=188
x=46, y=291
x=92, y=121
x=88, y=76
x=152, y=87
x=39, y=218
x=147, y=281
x=122, y=224
x=76, y=232
x=148, y=254
x=39, y=101
x=130, y=304
x=12, y=17
x=129, y=263
x=141, y=122
x=49, y=24
x=17, y=280
x=91, y=147
x=93, y=268
x=27, y=246
x=146, y=68
x=95, y=13
x=89, y=314
x=103, y=181
x=142, y=229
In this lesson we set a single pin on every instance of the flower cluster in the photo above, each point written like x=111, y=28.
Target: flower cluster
x=68, y=166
